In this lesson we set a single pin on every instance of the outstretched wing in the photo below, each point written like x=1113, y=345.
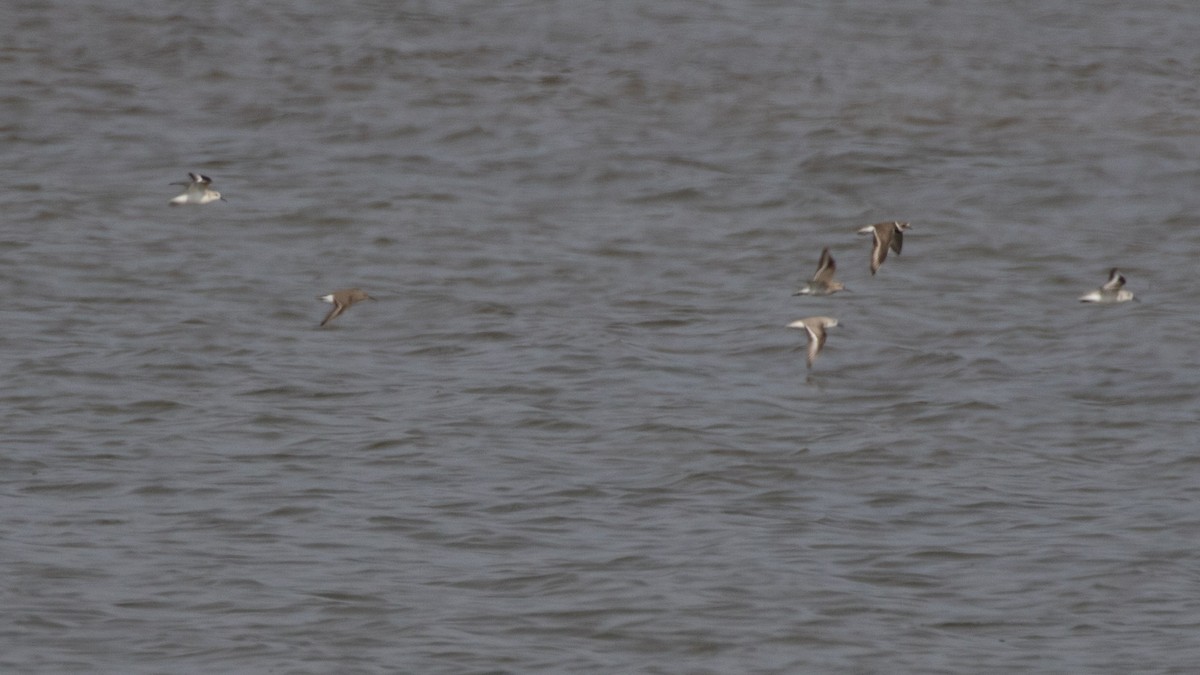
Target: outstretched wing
x=334, y=313
x=816, y=340
x=897, y=239
x=879, y=249
x=825, y=268
x=1115, y=280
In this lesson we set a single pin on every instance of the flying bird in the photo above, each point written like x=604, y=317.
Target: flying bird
x=197, y=191
x=341, y=300
x=886, y=235
x=816, y=326
x=1112, y=291
x=822, y=282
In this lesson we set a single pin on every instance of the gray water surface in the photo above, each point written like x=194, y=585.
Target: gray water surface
x=573, y=435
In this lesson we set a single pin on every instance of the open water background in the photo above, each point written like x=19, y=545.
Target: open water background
x=573, y=435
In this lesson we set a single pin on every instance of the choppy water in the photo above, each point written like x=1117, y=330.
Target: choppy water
x=573, y=435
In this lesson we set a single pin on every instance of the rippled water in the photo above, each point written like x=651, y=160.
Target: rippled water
x=573, y=434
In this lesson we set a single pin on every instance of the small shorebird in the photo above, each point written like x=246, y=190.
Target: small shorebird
x=1111, y=291
x=815, y=325
x=341, y=300
x=886, y=235
x=197, y=191
x=822, y=282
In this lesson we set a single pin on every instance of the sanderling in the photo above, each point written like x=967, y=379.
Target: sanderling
x=886, y=235
x=341, y=300
x=815, y=325
x=1111, y=291
x=822, y=282
x=197, y=191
